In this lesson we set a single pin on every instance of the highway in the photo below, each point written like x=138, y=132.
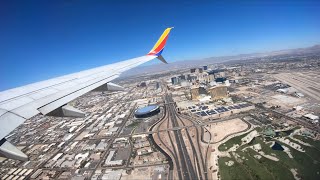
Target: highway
x=174, y=135
x=198, y=156
x=195, y=124
x=166, y=150
x=185, y=160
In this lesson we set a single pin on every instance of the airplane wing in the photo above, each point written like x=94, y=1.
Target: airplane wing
x=50, y=97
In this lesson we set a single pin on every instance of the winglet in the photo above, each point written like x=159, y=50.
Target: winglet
x=159, y=46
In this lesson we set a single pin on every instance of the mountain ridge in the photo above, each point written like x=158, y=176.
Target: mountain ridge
x=156, y=68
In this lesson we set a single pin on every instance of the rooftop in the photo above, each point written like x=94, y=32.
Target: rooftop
x=146, y=109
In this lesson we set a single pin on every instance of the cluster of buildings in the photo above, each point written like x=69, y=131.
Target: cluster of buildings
x=69, y=144
x=119, y=154
x=145, y=154
x=297, y=111
x=17, y=173
x=284, y=89
x=206, y=82
x=110, y=160
x=199, y=75
x=216, y=92
x=107, y=174
x=204, y=92
x=210, y=110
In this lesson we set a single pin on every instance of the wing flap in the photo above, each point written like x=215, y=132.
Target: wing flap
x=10, y=151
x=9, y=121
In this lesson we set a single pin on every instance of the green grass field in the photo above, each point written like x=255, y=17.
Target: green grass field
x=316, y=144
x=235, y=140
x=307, y=163
x=227, y=145
x=235, y=171
x=134, y=124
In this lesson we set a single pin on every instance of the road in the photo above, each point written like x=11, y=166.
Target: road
x=195, y=124
x=179, y=138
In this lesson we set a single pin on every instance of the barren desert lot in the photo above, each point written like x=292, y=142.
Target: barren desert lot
x=222, y=129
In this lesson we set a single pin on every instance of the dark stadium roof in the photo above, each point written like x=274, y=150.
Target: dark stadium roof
x=220, y=79
x=146, y=109
x=215, y=71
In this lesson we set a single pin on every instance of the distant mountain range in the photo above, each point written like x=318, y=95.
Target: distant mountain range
x=157, y=68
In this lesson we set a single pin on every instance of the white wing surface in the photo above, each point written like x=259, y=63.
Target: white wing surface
x=50, y=97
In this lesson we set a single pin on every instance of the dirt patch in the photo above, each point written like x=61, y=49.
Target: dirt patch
x=222, y=129
x=285, y=99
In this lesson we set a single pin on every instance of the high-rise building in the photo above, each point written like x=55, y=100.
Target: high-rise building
x=205, y=68
x=200, y=70
x=189, y=77
x=218, y=92
x=174, y=80
x=222, y=74
x=203, y=77
x=194, y=93
x=193, y=70
x=211, y=77
x=227, y=83
x=192, y=78
x=182, y=77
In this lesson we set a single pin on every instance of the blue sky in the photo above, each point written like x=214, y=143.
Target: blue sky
x=45, y=39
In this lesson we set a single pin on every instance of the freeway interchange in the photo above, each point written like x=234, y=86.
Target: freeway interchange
x=182, y=145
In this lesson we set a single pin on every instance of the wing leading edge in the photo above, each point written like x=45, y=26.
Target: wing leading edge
x=51, y=96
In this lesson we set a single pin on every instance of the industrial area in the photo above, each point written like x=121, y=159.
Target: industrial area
x=215, y=121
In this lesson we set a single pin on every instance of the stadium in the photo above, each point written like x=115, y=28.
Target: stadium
x=147, y=111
